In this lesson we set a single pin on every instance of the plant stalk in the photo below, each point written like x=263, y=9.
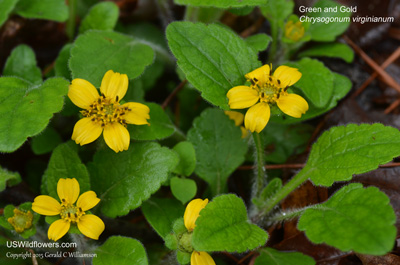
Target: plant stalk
x=260, y=174
x=70, y=27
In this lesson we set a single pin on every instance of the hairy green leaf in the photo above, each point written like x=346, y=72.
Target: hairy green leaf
x=221, y=3
x=223, y=226
x=65, y=163
x=118, y=250
x=258, y=42
x=56, y=10
x=122, y=181
x=102, y=16
x=160, y=125
x=219, y=148
x=46, y=141
x=27, y=109
x=277, y=10
x=316, y=81
x=183, y=189
x=22, y=63
x=322, y=31
x=344, y=151
x=354, y=218
x=213, y=58
x=95, y=52
x=272, y=256
x=61, y=64
x=161, y=213
x=6, y=6
x=335, y=50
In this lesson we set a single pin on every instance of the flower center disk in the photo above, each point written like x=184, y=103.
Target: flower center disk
x=71, y=213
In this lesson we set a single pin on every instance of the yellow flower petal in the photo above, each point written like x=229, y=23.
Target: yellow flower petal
x=46, y=205
x=241, y=97
x=237, y=117
x=292, y=105
x=192, y=212
x=68, y=190
x=138, y=114
x=116, y=137
x=87, y=200
x=58, y=229
x=257, y=117
x=82, y=93
x=286, y=75
x=201, y=258
x=260, y=75
x=244, y=132
x=86, y=131
x=91, y=226
x=113, y=85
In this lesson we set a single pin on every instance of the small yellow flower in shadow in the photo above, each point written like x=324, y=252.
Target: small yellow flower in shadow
x=104, y=113
x=238, y=118
x=68, y=191
x=192, y=212
x=294, y=30
x=269, y=90
x=21, y=220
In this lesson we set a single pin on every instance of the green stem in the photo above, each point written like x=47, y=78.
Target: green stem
x=260, y=181
x=274, y=44
x=287, y=215
x=293, y=184
x=70, y=27
x=191, y=13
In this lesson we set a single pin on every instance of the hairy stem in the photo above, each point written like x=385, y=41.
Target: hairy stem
x=260, y=173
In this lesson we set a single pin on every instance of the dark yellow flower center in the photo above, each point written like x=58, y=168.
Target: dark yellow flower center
x=71, y=213
x=21, y=220
x=269, y=92
x=106, y=111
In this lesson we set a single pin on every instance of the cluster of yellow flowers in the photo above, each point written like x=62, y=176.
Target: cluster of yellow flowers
x=264, y=91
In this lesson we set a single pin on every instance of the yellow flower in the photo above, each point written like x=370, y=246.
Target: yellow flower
x=294, y=31
x=201, y=258
x=68, y=191
x=238, y=118
x=268, y=89
x=105, y=113
x=21, y=220
x=192, y=212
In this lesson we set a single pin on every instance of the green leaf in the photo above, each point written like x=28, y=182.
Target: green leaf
x=258, y=42
x=96, y=52
x=183, y=189
x=322, y=31
x=118, y=250
x=102, y=16
x=8, y=178
x=221, y=3
x=344, y=151
x=272, y=256
x=316, y=81
x=354, y=218
x=6, y=6
x=187, y=156
x=65, y=163
x=160, y=125
x=22, y=63
x=61, y=64
x=46, y=141
x=55, y=10
x=335, y=50
x=341, y=86
x=122, y=181
x=27, y=109
x=277, y=10
x=213, y=58
x=161, y=213
x=219, y=148
x=223, y=226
